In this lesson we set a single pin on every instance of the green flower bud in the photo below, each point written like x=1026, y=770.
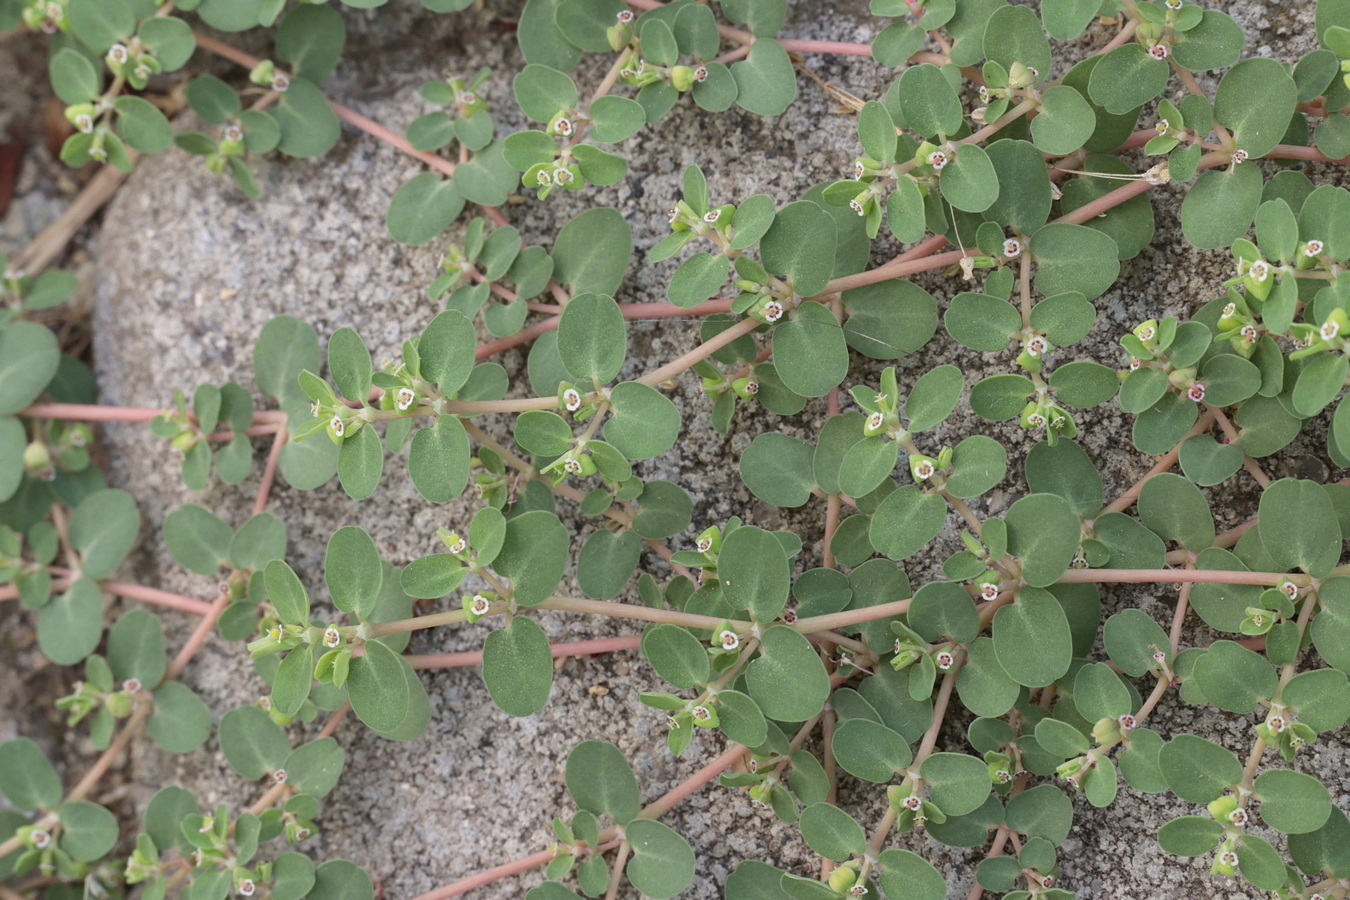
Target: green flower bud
x=843, y=878
x=682, y=78
x=36, y=456
x=1222, y=807
x=264, y=73
x=1106, y=731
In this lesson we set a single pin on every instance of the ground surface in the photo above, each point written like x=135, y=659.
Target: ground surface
x=188, y=271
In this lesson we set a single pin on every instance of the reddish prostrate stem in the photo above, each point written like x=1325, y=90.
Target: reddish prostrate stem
x=1176, y=576
x=269, y=471
x=571, y=648
x=157, y=597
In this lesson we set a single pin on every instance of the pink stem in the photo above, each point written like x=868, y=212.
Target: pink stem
x=572, y=648
x=269, y=471
x=199, y=636
x=157, y=597
x=1176, y=576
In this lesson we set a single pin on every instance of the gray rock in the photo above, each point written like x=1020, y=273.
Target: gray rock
x=191, y=272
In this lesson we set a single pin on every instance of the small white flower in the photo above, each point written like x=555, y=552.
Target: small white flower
x=572, y=467
x=730, y=640
x=1329, y=330
x=544, y=177
x=705, y=545
x=1238, y=817
x=468, y=98
x=712, y=215
x=1159, y=656
x=752, y=387
x=131, y=685
x=247, y=887
x=1037, y=346
x=1276, y=724
x=1034, y=73
x=1249, y=333
x=1003, y=776
x=459, y=546
x=701, y=713
x=701, y=73
x=944, y=660
x=41, y=838
x=562, y=176
x=924, y=470
x=912, y=802
x=1289, y=589
x=1135, y=363
x=859, y=170
x=989, y=591
x=1196, y=392
x=857, y=207
x=281, y=83
x=480, y=605
x=1163, y=126
x=117, y=53
x=937, y=159
x=1239, y=156
x=625, y=17
x=1260, y=270
x=332, y=637
x=1174, y=4
x=302, y=833
x=673, y=213
x=233, y=133
x=142, y=72
x=790, y=616
x=339, y=427
x=773, y=311
x=1079, y=562
x=98, y=153
x=563, y=126
x=1229, y=310
x=1036, y=420
x=1312, y=248
x=572, y=399
x=875, y=421
x=279, y=776
x=858, y=890
x=1126, y=722
x=405, y=399
x=1228, y=858
x=84, y=122
x=984, y=95
x=1012, y=248
x=1158, y=51
x=1146, y=333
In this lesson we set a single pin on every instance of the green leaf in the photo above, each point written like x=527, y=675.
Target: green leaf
x=181, y=722
x=787, y=680
x=1214, y=43
x=349, y=364
x=88, y=830
x=699, y=278
x=1220, y=207
x=831, y=832
x=286, y=593
x=1043, y=812
x=969, y=182
x=377, y=688
x=1067, y=19
x=906, y=874
x=766, y=83
x=253, y=744
x=541, y=41
x=73, y=77
x=446, y=351
x=870, y=751
x=1084, y=383
x=592, y=338
x=1292, y=802
x=197, y=539
x=1127, y=77
x=1035, y=619
x=170, y=39
x=955, y=787
x=534, y=555
x=601, y=781
x=677, y=656
x=800, y=246
x=643, y=422
x=518, y=667
x=810, y=351
x=1299, y=526
x=28, y=360
x=70, y=625
x=1319, y=698
x=592, y=250
x=439, y=460
x=315, y=767
x=136, y=648
x=26, y=777
x=754, y=572
x=1043, y=532
x=309, y=127
x=662, y=863
x=352, y=570
x=1074, y=258
x=1063, y=469
x=1198, y=770
x=1175, y=510
x=142, y=125
x=607, y=562
x=1014, y=34
x=339, y=879
x=778, y=469
x=1131, y=637
x=1254, y=101
x=615, y=119
x=1190, y=835
x=422, y=208
x=906, y=521
x=310, y=38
